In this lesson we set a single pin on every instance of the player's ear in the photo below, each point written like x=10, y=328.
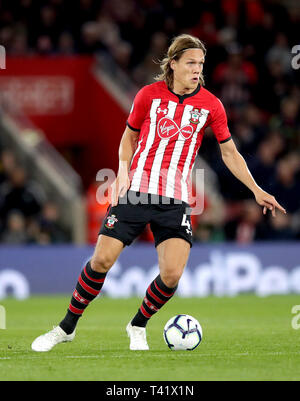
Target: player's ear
x=173, y=64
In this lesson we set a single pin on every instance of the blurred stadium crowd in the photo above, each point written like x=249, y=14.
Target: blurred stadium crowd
x=27, y=216
x=248, y=66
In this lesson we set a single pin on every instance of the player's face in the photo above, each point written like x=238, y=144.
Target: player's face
x=187, y=71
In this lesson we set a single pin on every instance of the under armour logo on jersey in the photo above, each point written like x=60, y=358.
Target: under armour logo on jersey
x=159, y=110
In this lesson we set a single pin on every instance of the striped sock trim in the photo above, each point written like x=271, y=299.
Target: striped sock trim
x=88, y=287
x=153, y=296
x=101, y=280
x=145, y=313
x=157, y=295
x=79, y=298
x=75, y=310
x=165, y=294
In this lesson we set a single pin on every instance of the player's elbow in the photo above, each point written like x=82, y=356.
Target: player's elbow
x=229, y=155
x=228, y=150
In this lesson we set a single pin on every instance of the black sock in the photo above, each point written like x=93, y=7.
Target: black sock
x=89, y=285
x=157, y=295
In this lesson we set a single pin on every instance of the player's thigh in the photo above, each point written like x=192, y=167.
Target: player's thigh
x=106, y=253
x=173, y=255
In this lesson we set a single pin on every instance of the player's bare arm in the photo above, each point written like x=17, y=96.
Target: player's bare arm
x=127, y=148
x=237, y=165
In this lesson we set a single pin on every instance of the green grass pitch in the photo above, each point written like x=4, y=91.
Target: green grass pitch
x=244, y=338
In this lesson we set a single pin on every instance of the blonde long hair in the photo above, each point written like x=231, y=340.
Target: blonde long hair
x=178, y=46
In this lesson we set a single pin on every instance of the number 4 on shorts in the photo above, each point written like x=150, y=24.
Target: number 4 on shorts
x=185, y=223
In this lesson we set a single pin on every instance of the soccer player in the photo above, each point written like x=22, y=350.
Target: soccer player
x=156, y=155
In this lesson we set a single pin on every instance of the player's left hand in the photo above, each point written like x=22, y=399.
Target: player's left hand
x=119, y=187
x=268, y=202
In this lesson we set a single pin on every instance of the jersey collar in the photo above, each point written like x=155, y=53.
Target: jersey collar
x=183, y=97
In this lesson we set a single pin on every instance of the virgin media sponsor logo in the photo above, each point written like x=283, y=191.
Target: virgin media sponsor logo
x=167, y=128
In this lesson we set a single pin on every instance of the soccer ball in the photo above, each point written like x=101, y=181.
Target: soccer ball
x=182, y=332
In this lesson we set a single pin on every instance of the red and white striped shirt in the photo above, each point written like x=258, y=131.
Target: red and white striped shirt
x=171, y=130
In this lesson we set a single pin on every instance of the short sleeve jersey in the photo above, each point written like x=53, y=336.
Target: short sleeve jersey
x=171, y=128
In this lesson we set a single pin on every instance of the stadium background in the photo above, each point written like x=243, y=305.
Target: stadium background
x=72, y=70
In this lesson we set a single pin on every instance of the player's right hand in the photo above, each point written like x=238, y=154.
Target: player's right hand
x=119, y=188
x=268, y=202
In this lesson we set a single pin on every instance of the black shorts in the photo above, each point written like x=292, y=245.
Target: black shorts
x=168, y=218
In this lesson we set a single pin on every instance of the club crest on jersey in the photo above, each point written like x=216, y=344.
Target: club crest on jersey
x=111, y=221
x=195, y=115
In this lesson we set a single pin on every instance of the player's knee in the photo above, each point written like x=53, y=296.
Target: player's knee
x=102, y=263
x=171, y=278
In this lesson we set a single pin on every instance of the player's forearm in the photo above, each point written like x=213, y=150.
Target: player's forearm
x=126, y=151
x=237, y=165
